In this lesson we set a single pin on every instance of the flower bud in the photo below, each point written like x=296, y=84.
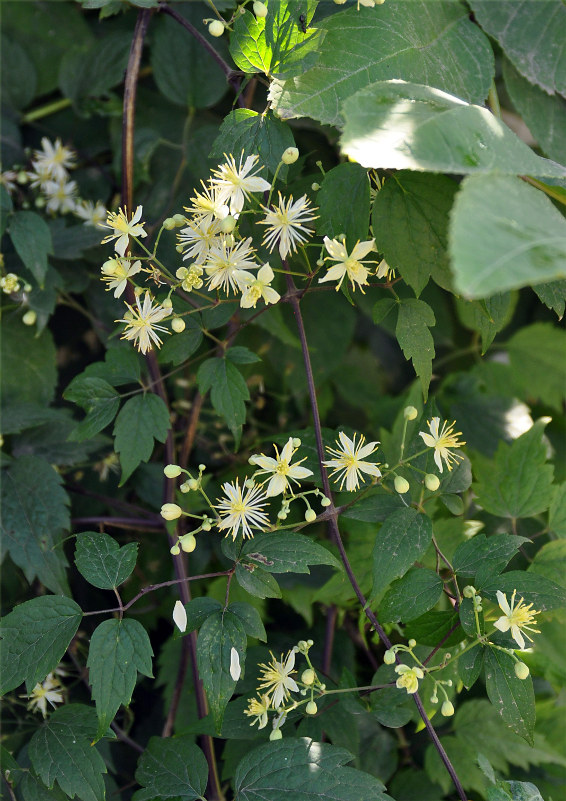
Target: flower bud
x=521, y=670
x=171, y=511
x=447, y=709
x=169, y=223
x=179, y=219
x=167, y=303
x=249, y=483
x=401, y=485
x=432, y=482
x=206, y=526
x=202, y=468
x=188, y=543
x=410, y=413
x=175, y=550
x=216, y=28
x=412, y=643
x=389, y=657
x=260, y=9
x=325, y=501
x=282, y=514
x=290, y=155
x=469, y=591
x=29, y=317
x=193, y=483
x=276, y=734
x=308, y=676
x=109, y=267
x=315, y=187
x=320, y=262
x=310, y=515
x=178, y=324
x=172, y=470
x=311, y=708
x=296, y=442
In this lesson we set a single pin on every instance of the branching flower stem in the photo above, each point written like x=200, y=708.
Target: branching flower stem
x=294, y=300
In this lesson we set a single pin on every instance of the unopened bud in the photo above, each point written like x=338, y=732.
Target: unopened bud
x=179, y=219
x=521, y=670
x=469, y=591
x=310, y=515
x=171, y=511
x=412, y=643
x=276, y=735
x=169, y=223
x=389, y=657
x=167, y=303
x=216, y=28
x=325, y=501
x=311, y=708
x=260, y=9
x=172, y=470
x=401, y=485
x=447, y=709
x=29, y=317
x=193, y=483
x=432, y=482
x=315, y=187
x=188, y=543
x=175, y=550
x=228, y=224
x=290, y=155
x=178, y=325
x=308, y=676
x=296, y=442
x=410, y=412
x=206, y=526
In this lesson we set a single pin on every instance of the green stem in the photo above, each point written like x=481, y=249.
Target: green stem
x=45, y=111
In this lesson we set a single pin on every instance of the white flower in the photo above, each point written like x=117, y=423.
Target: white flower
x=442, y=441
x=8, y=179
x=515, y=618
x=347, y=264
x=385, y=271
x=50, y=690
x=235, y=667
x=141, y=323
x=259, y=288
x=54, y=158
x=226, y=265
x=281, y=469
x=236, y=183
x=40, y=175
x=208, y=206
x=61, y=196
x=285, y=224
x=349, y=462
x=92, y=213
x=180, y=616
x=408, y=678
x=198, y=238
x=117, y=272
x=241, y=511
x=276, y=679
x=258, y=709
x=123, y=228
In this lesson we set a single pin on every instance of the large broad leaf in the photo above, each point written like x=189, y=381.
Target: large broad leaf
x=90, y=72
x=118, y=649
x=228, y=391
x=488, y=554
x=171, y=768
x=35, y=636
x=557, y=514
x=413, y=323
x=302, y=770
x=401, y=540
x=536, y=353
x=142, y=419
x=28, y=372
x=257, y=581
x=219, y=634
x=550, y=562
x=488, y=316
x=519, y=482
x=100, y=401
x=32, y=240
x=396, y=40
x=336, y=217
x=34, y=515
x=287, y=552
x=411, y=596
x=543, y=593
x=19, y=77
x=102, y=562
x=532, y=34
x=512, y=697
x=409, y=126
x=504, y=235
x=61, y=751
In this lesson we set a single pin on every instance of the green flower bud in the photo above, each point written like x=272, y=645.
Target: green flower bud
x=188, y=543
x=169, y=223
x=325, y=501
x=216, y=28
x=432, y=482
x=469, y=591
x=308, y=676
x=389, y=657
x=296, y=442
x=410, y=413
x=310, y=515
x=172, y=470
x=290, y=155
x=180, y=219
x=315, y=187
x=447, y=709
x=401, y=485
x=178, y=325
x=29, y=317
x=276, y=735
x=171, y=511
x=228, y=224
x=167, y=303
x=193, y=483
x=412, y=643
x=260, y=9
x=521, y=670
x=175, y=550
x=311, y=708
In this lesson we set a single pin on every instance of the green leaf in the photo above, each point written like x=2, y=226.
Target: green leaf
x=99, y=400
x=470, y=665
x=178, y=348
x=94, y=69
x=536, y=353
x=276, y=44
x=28, y=371
x=198, y=610
x=184, y=72
x=400, y=541
x=514, y=791
x=287, y=552
x=415, y=39
x=171, y=768
x=61, y=751
x=504, y=235
x=34, y=515
x=246, y=132
x=118, y=649
x=19, y=78
x=142, y=419
x=335, y=217
x=415, y=319
x=483, y=552
x=531, y=35
x=553, y=295
x=375, y=507
x=120, y=366
x=488, y=316
x=241, y=355
x=257, y=581
x=70, y=241
x=228, y=391
x=550, y=562
x=36, y=634
x=31, y=238
x=517, y=483
x=513, y=698
x=410, y=225
x=468, y=618
x=557, y=514
x=411, y=596
x=410, y=126
x=219, y=633
x=435, y=627
x=250, y=618
x=537, y=590
x=102, y=562
x=300, y=770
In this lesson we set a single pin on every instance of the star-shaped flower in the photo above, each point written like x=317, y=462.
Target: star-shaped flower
x=408, y=678
x=259, y=287
x=281, y=469
x=123, y=228
x=441, y=441
x=141, y=323
x=516, y=617
x=236, y=183
x=276, y=679
x=238, y=511
x=285, y=224
x=350, y=265
x=349, y=462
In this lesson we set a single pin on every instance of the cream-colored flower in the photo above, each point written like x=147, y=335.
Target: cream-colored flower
x=408, y=678
x=259, y=287
x=276, y=679
x=61, y=196
x=281, y=469
x=227, y=264
x=141, y=323
x=9, y=180
x=348, y=264
x=285, y=224
x=236, y=183
x=49, y=690
x=208, y=206
x=39, y=176
x=441, y=441
x=117, y=271
x=516, y=617
x=238, y=511
x=91, y=213
x=349, y=462
x=258, y=708
x=191, y=278
x=123, y=228
x=197, y=239
x=54, y=158
x=385, y=271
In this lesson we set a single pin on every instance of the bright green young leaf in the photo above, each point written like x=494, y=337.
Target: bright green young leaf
x=301, y=770
x=413, y=323
x=61, y=751
x=287, y=552
x=410, y=126
x=34, y=515
x=99, y=400
x=256, y=581
x=537, y=358
x=171, y=768
x=513, y=698
x=198, y=610
x=102, y=562
x=334, y=216
x=228, y=391
x=246, y=132
x=118, y=650
x=31, y=238
x=401, y=540
x=218, y=635
x=142, y=419
x=550, y=562
x=533, y=587
x=557, y=514
x=415, y=39
x=504, y=235
x=19, y=78
x=35, y=636
x=250, y=618
x=410, y=225
x=532, y=36
x=517, y=483
x=28, y=364
x=470, y=665
x=486, y=552
x=411, y=596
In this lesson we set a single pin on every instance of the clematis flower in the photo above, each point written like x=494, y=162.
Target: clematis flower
x=141, y=323
x=123, y=229
x=408, y=678
x=286, y=224
x=277, y=680
x=235, y=184
x=516, y=617
x=48, y=691
x=227, y=265
x=258, y=708
x=441, y=441
x=350, y=265
x=349, y=460
x=259, y=287
x=238, y=511
x=281, y=469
